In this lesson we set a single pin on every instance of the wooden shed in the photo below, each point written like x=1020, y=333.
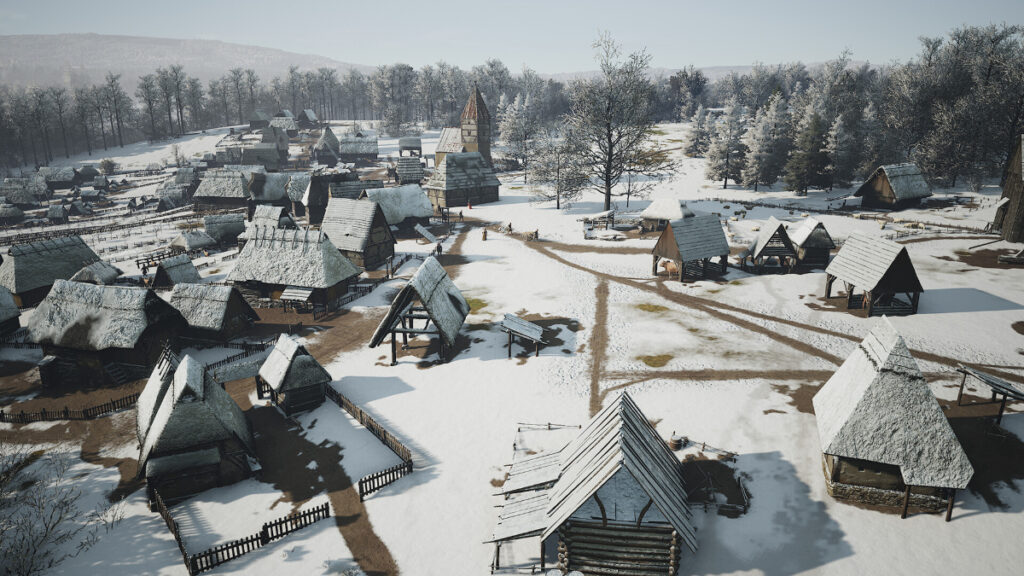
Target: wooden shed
x=318, y=193
x=193, y=436
x=286, y=123
x=353, y=148
x=57, y=214
x=264, y=154
x=813, y=243
x=359, y=229
x=404, y=206
x=29, y=270
x=99, y=272
x=298, y=185
x=259, y=119
x=612, y=501
x=213, y=312
x=431, y=296
x=177, y=269
x=772, y=243
x=881, y=269
x=274, y=260
x=58, y=177
x=894, y=187
x=307, y=119
x=325, y=151
x=1009, y=219
x=660, y=212
x=410, y=146
x=191, y=241
x=292, y=378
x=352, y=187
x=224, y=228
x=884, y=438
x=222, y=188
x=10, y=214
x=409, y=171
x=462, y=179
x=691, y=242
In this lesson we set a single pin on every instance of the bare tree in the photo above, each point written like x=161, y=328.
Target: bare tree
x=59, y=99
x=557, y=171
x=149, y=93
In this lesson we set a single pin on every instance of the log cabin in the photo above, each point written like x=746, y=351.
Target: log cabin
x=214, y=313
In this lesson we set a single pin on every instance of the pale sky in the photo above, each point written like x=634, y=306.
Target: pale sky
x=551, y=36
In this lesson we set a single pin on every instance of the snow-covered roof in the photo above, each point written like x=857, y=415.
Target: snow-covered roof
x=462, y=170
x=666, y=209
x=99, y=272
x=349, y=223
x=906, y=181
x=292, y=258
x=410, y=143
x=224, y=227
x=18, y=191
x=810, y=233
x=352, y=188
x=308, y=114
x=409, y=169
x=698, y=236
x=297, y=185
x=272, y=216
x=8, y=309
x=284, y=123
x=270, y=187
x=284, y=113
x=868, y=262
x=179, y=269
x=443, y=301
x=878, y=407
x=450, y=141
x=57, y=212
x=54, y=174
x=91, y=317
x=190, y=240
x=357, y=144
x=290, y=366
x=206, y=306
x=259, y=116
x=327, y=141
x=222, y=183
x=10, y=212
x=770, y=229
x=262, y=154
x=37, y=264
x=401, y=202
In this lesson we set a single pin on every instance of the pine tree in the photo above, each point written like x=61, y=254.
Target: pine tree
x=778, y=119
x=808, y=161
x=841, y=150
x=758, y=141
x=868, y=138
x=726, y=156
x=698, y=135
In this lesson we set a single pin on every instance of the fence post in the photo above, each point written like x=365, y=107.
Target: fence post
x=264, y=536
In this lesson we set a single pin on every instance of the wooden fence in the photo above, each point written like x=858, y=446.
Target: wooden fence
x=173, y=527
x=248, y=349
x=373, y=482
x=67, y=414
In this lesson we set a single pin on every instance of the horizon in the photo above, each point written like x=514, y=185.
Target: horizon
x=553, y=48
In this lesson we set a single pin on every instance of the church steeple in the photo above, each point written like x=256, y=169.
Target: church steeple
x=476, y=126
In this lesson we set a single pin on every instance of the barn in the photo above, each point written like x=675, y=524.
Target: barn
x=409, y=170
x=771, y=242
x=885, y=440
x=214, y=313
x=193, y=436
x=462, y=179
x=100, y=333
x=691, y=242
x=99, y=272
x=357, y=147
x=881, y=269
x=224, y=228
x=302, y=262
x=29, y=270
x=177, y=269
x=439, y=303
x=58, y=177
x=612, y=501
x=9, y=313
x=221, y=188
x=359, y=229
x=894, y=187
x=410, y=146
x=813, y=243
x=404, y=206
x=292, y=378
x=1009, y=218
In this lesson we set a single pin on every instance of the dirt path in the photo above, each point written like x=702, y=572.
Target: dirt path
x=598, y=346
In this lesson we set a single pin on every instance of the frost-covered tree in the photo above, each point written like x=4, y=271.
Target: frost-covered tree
x=778, y=119
x=518, y=126
x=698, y=134
x=557, y=169
x=808, y=161
x=841, y=148
x=726, y=155
x=760, y=154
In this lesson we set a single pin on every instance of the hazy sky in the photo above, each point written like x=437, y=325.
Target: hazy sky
x=550, y=36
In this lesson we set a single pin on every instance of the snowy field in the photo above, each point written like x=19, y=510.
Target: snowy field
x=731, y=363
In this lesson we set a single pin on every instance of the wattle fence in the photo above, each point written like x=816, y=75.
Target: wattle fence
x=67, y=414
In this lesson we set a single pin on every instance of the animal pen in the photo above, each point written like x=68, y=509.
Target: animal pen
x=772, y=242
x=691, y=243
x=882, y=270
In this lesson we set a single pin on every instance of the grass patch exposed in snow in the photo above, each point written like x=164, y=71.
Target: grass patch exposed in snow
x=658, y=132
x=655, y=361
x=653, y=308
x=476, y=305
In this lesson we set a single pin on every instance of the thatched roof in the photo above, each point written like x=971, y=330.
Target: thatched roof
x=190, y=240
x=409, y=169
x=349, y=223
x=181, y=408
x=284, y=123
x=38, y=264
x=357, y=144
x=906, y=180
x=11, y=213
x=352, y=188
x=443, y=301
x=179, y=269
x=57, y=212
x=57, y=174
x=401, y=202
x=224, y=227
x=308, y=115
x=878, y=407
x=450, y=141
x=266, y=215
x=461, y=171
x=88, y=173
x=811, y=233
x=25, y=191
x=206, y=306
x=327, y=141
x=297, y=185
x=666, y=209
x=94, y=318
x=269, y=187
x=292, y=258
x=259, y=116
x=870, y=262
x=289, y=366
x=8, y=309
x=223, y=183
x=99, y=272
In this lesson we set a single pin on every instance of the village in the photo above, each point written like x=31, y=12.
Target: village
x=313, y=345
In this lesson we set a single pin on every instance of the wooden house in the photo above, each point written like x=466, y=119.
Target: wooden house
x=303, y=262
x=58, y=177
x=462, y=179
x=404, y=206
x=307, y=119
x=193, y=436
x=258, y=119
x=409, y=171
x=410, y=146
x=429, y=295
x=101, y=333
x=266, y=215
x=220, y=189
x=79, y=208
x=99, y=272
x=894, y=187
x=215, y=313
x=662, y=211
x=881, y=269
x=268, y=189
x=57, y=214
x=449, y=142
x=9, y=313
x=191, y=241
x=292, y=378
x=224, y=228
x=298, y=184
x=813, y=243
x=359, y=229
x=353, y=148
x=286, y=123
x=318, y=193
x=476, y=126
x=29, y=270
x=10, y=215
x=24, y=192
x=264, y=154
x=772, y=242
x=612, y=501
x=325, y=151
x=177, y=269
x=885, y=440
x=691, y=242
x=352, y=187
x=87, y=174
x=1009, y=219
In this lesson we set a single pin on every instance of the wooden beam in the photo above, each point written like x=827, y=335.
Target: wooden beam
x=394, y=349
x=949, y=505
x=906, y=502
x=1002, y=408
x=509, y=343
x=961, y=393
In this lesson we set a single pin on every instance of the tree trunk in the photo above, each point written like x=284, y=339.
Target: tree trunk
x=85, y=128
x=64, y=136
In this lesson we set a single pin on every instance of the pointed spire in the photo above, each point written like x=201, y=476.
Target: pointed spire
x=476, y=108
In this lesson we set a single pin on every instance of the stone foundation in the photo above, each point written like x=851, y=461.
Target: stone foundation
x=879, y=498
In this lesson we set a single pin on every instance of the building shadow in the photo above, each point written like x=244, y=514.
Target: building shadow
x=954, y=300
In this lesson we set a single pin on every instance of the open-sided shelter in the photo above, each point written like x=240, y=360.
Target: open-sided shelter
x=771, y=242
x=881, y=269
x=691, y=242
x=292, y=378
x=894, y=187
x=410, y=146
x=213, y=312
x=813, y=243
x=29, y=270
x=462, y=179
x=359, y=229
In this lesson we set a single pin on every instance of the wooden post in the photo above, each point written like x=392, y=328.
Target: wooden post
x=961, y=393
x=542, y=554
x=829, y=279
x=536, y=354
x=509, y=343
x=405, y=336
x=394, y=349
x=868, y=301
x=654, y=266
x=497, y=551
x=914, y=299
x=949, y=505
x=906, y=502
x=1002, y=407
x=682, y=269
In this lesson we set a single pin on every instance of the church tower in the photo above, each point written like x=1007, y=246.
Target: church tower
x=476, y=126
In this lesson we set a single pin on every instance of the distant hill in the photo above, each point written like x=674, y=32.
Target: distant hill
x=79, y=59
